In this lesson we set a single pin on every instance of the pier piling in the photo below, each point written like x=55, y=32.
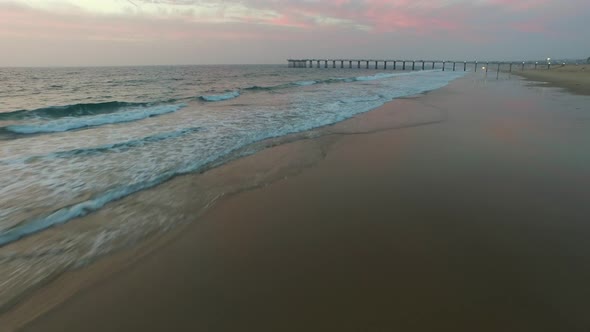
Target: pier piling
x=317, y=63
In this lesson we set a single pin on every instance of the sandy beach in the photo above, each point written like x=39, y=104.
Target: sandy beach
x=464, y=209
x=573, y=78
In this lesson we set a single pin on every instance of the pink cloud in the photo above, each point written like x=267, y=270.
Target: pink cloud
x=330, y=24
x=289, y=21
x=521, y=5
x=372, y=16
x=27, y=24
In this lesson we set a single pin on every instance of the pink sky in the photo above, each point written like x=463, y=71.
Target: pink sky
x=119, y=32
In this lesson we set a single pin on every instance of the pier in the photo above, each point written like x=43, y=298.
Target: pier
x=444, y=65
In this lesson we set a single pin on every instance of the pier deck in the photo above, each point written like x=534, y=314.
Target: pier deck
x=416, y=64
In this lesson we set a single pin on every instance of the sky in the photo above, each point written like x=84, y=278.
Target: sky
x=146, y=32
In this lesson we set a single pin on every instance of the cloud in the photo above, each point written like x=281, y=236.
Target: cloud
x=453, y=28
x=372, y=16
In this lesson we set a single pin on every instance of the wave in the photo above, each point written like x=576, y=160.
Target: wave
x=81, y=209
x=379, y=76
x=266, y=88
x=330, y=80
x=220, y=97
x=96, y=202
x=374, y=77
x=114, y=147
x=74, y=110
x=77, y=210
x=298, y=84
x=124, y=146
x=305, y=83
x=71, y=123
x=282, y=86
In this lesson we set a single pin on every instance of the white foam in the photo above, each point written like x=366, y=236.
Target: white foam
x=220, y=97
x=380, y=76
x=106, y=177
x=305, y=83
x=70, y=123
x=374, y=77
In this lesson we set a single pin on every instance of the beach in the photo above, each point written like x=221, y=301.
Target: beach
x=573, y=78
x=64, y=162
x=461, y=209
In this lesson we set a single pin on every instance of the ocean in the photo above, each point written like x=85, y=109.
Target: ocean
x=74, y=139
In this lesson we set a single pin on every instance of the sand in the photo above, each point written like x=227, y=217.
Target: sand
x=461, y=210
x=573, y=78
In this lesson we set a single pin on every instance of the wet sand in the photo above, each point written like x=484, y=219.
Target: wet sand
x=465, y=209
x=573, y=78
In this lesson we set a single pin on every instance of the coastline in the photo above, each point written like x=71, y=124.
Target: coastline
x=321, y=158
x=238, y=172
x=573, y=78
x=37, y=259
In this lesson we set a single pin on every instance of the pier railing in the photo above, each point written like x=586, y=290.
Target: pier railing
x=417, y=64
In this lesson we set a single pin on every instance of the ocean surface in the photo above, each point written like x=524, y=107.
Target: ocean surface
x=75, y=139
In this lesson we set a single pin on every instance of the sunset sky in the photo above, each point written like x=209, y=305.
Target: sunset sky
x=127, y=32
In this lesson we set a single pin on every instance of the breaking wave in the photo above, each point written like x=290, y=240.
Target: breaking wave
x=220, y=97
x=333, y=80
x=75, y=110
x=70, y=123
x=114, y=147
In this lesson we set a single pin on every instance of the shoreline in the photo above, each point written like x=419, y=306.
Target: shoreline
x=276, y=166
x=572, y=78
x=35, y=260
x=66, y=282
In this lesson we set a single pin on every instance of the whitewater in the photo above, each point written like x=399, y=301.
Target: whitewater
x=69, y=149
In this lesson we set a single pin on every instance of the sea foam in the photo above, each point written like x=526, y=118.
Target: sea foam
x=74, y=110
x=305, y=83
x=106, y=148
x=220, y=97
x=227, y=131
x=70, y=123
